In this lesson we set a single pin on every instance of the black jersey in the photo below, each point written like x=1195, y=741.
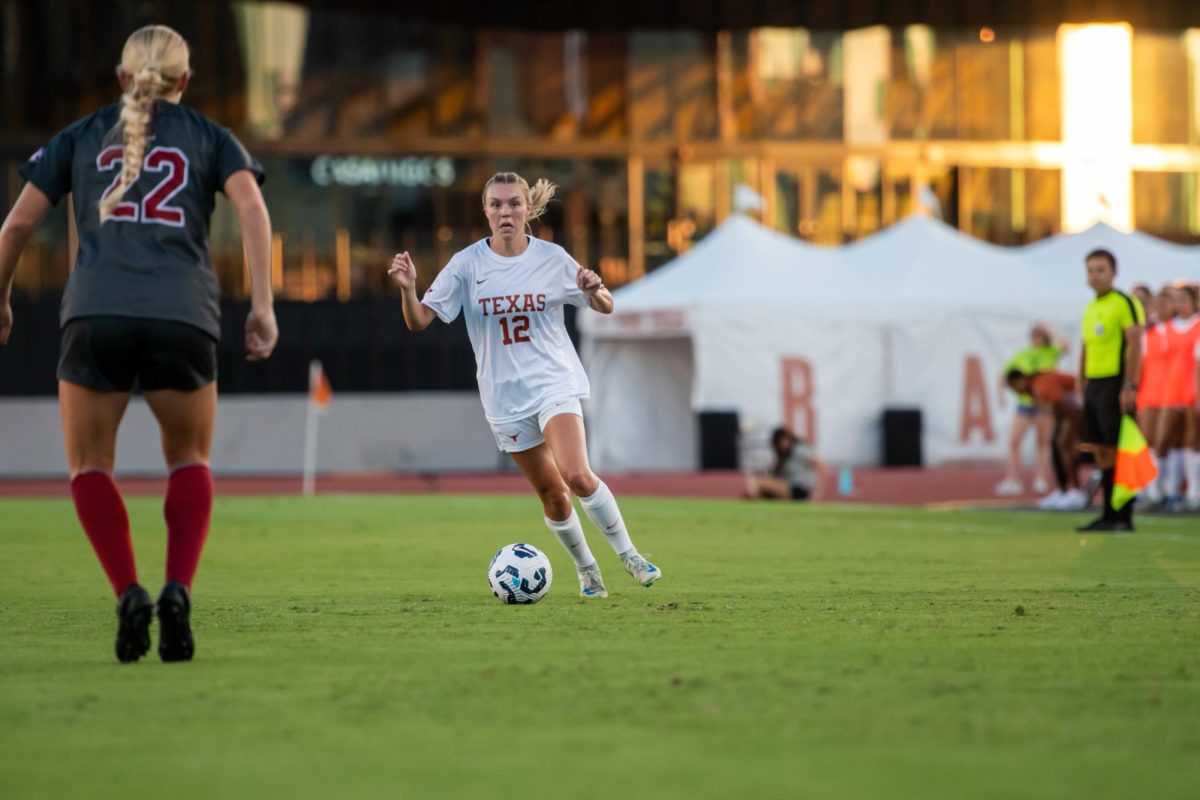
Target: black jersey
x=150, y=258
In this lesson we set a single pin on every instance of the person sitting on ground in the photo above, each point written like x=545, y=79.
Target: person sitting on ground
x=795, y=471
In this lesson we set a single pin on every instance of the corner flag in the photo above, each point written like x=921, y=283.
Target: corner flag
x=1135, y=468
x=320, y=395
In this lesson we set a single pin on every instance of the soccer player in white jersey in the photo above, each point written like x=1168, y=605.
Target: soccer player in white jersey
x=512, y=288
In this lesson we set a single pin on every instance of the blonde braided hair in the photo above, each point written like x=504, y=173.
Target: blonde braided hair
x=154, y=60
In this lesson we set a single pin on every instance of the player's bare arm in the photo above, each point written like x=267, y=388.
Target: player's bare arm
x=30, y=207
x=590, y=283
x=417, y=316
x=262, y=331
x=1133, y=367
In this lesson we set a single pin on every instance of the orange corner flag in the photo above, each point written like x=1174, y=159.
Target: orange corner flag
x=320, y=393
x=1135, y=468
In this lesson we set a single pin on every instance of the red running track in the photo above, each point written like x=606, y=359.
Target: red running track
x=965, y=484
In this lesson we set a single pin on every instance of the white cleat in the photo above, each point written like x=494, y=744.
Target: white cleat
x=590, y=582
x=642, y=570
x=1073, y=500
x=1052, y=501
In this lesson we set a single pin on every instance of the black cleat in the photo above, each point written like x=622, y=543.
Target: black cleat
x=174, y=633
x=1103, y=525
x=134, y=610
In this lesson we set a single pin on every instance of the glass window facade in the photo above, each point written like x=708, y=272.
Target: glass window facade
x=377, y=134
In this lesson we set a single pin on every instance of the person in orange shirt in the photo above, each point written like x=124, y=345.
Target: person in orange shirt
x=1152, y=385
x=1057, y=394
x=1179, y=423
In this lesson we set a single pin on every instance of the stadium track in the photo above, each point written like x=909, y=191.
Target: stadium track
x=959, y=485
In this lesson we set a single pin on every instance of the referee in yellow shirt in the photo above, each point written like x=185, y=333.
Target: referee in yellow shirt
x=1108, y=369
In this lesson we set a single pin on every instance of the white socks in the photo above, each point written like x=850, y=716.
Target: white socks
x=570, y=532
x=1191, y=461
x=1172, y=475
x=601, y=509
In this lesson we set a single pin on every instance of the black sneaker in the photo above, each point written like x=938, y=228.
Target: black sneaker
x=134, y=610
x=1107, y=526
x=174, y=633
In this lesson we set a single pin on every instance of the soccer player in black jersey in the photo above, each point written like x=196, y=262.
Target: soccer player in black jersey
x=141, y=309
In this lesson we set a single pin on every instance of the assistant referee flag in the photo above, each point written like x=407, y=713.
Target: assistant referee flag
x=1135, y=468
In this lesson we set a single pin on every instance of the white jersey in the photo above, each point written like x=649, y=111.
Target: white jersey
x=514, y=315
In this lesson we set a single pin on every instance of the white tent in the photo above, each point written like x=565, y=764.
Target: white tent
x=1140, y=259
x=681, y=336
x=823, y=340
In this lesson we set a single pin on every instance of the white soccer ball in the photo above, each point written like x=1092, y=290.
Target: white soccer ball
x=520, y=574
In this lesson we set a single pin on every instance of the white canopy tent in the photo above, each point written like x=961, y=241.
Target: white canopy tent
x=1140, y=259
x=824, y=340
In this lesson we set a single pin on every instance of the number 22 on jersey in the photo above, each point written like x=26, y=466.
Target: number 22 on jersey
x=153, y=209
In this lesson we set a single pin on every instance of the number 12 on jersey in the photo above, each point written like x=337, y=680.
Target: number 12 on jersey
x=519, y=332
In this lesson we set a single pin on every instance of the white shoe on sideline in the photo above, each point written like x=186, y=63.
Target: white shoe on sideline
x=1040, y=485
x=1009, y=487
x=1052, y=501
x=590, y=582
x=1072, y=500
x=642, y=570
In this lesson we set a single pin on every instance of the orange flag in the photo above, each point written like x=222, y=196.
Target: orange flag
x=320, y=393
x=1135, y=468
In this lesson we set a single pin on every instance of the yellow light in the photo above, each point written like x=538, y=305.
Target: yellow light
x=1097, y=124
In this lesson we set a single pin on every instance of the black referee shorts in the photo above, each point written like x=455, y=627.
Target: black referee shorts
x=1102, y=411
x=115, y=354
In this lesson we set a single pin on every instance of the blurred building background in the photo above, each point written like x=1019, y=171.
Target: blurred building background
x=379, y=122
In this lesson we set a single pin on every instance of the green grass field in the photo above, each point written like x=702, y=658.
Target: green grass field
x=349, y=647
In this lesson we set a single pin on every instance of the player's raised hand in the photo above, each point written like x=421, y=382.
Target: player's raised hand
x=6, y=321
x=588, y=281
x=403, y=271
x=261, y=333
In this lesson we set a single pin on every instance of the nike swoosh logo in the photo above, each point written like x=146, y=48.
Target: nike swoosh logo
x=479, y=282
x=610, y=527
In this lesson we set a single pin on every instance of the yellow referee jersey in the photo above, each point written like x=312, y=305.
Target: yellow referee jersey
x=1104, y=322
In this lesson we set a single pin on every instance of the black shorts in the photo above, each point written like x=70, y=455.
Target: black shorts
x=115, y=354
x=1102, y=411
x=800, y=492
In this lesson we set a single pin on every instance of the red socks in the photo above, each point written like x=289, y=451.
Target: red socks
x=102, y=514
x=187, y=509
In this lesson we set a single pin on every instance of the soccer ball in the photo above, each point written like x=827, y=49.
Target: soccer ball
x=520, y=574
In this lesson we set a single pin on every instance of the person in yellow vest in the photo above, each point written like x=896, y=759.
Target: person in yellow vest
x=1046, y=347
x=1109, y=364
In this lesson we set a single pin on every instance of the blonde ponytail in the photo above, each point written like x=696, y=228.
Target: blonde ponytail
x=154, y=60
x=536, y=198
x=539, y=197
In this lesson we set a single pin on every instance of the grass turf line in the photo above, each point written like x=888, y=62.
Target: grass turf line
x=348, y=646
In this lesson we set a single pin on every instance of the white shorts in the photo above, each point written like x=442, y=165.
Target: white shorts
x=526, y=433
